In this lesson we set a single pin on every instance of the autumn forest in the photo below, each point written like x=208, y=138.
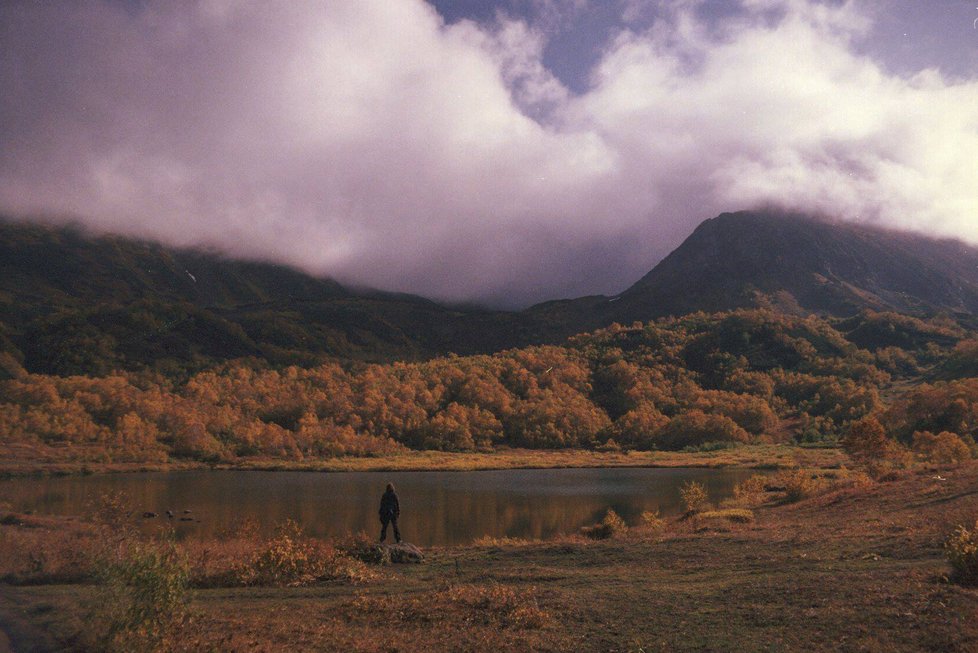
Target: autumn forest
x=700, y=382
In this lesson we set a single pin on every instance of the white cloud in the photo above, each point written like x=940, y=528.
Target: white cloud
x=787, y=114
x=372, y=142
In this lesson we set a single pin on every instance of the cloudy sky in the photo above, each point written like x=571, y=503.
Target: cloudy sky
x=505, y=152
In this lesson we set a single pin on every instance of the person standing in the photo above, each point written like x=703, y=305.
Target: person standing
x=390, y=510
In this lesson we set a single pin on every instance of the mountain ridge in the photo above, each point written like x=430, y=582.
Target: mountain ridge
x=136, y=303
x=71, y=302
x=794, y=263
x=835, y=268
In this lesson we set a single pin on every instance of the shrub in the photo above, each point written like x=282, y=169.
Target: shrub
x=961, y=550
x=610, y=446
x=653, y=521
x=292, y=559
x=142, y=597
x=867, y=445
x=846, y=478
x=219, y=563
x=969, y=441
x=611, y=526
x=694, y=496
x=945, y=448
x=695, y=427
x=797, y=485
x=707, y=447
x=750, y=490
x=866, y=440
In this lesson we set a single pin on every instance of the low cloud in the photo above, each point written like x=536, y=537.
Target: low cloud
x=376, y=144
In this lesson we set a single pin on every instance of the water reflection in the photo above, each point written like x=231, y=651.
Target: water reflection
x=436, y=507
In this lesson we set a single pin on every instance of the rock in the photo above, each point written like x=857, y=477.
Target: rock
x=378, y=553
x=169, y=514
x=149, y=515
x=186, y=519
x=404, y=553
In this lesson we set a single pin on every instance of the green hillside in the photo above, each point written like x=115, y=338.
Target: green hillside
x=76, y=304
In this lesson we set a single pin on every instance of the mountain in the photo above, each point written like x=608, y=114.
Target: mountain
x=738, y=259
x=793, y=263
x=74, y=303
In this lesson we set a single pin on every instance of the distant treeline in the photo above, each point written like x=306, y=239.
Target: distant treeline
x=700, y=381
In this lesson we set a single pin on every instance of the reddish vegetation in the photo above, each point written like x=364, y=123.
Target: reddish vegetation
x=702, y=381
x=852, y=565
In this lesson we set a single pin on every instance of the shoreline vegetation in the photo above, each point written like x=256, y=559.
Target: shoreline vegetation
x=748, y=456
x=801, y=560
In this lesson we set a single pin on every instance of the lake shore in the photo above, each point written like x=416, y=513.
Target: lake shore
x=763, y=456
x=853, y=567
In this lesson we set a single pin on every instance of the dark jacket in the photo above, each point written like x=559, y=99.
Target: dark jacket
x=389, y=507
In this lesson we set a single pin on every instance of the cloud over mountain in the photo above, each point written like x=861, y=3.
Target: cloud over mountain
x=374, y=142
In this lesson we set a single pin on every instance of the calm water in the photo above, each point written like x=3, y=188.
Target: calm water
x=436, y=507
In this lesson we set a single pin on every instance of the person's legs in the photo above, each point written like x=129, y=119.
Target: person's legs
x=383, y=529
x=397, y=533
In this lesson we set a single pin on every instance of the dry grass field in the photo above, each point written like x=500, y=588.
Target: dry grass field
x=854, y=565
x=16, y=462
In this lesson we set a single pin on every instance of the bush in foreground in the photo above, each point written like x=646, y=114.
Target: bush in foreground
x=611, y=526
x=142, y=598
x=653, y=521
x=961, y=550
x=292, y=559
x=694, y=497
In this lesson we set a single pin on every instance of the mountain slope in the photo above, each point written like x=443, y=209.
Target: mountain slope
x=794, y=263
x=830, y=268
x=71, y=303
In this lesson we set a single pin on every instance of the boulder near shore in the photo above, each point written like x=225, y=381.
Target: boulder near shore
x=403, y=552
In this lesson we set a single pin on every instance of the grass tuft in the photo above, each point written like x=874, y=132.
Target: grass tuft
x=961, y=550
x=653, y=521
x=739, y=515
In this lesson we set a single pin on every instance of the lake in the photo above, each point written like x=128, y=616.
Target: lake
x=436, y=507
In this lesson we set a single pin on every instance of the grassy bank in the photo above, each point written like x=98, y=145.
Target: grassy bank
x=854, y=565
x=764, y=456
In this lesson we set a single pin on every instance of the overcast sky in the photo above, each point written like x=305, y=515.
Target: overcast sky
x=505, y=152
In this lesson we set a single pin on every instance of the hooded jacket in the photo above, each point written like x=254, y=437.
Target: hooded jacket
x=389, y=506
